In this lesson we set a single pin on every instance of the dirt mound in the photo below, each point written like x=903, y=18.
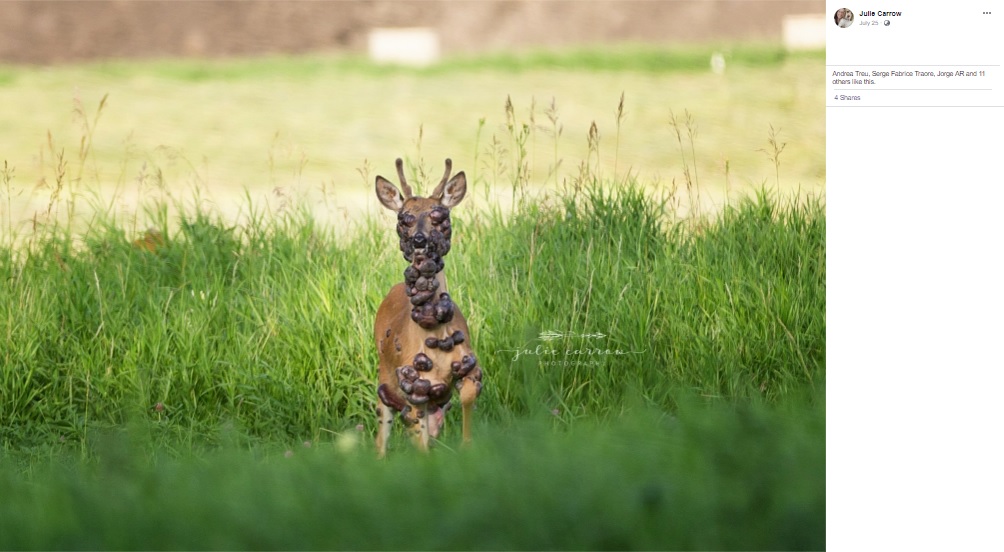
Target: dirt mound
x=40, y=31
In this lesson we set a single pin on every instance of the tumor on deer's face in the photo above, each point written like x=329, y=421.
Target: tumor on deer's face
x=423, y=224
x=425, y=232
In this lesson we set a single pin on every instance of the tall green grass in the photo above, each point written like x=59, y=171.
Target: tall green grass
x=268, y=325
x=177, y=376
x=259, y=336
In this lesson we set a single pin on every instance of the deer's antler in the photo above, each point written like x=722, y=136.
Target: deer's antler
x=405, y=188
x=438, y=192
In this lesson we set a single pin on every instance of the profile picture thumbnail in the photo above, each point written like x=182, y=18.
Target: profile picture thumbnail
x=843, y=18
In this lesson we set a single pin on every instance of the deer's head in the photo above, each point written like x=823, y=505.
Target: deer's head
x=423, y=223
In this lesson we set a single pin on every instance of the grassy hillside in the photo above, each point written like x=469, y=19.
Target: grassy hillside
x=314, y=127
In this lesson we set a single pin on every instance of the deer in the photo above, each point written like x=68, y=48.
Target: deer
x=423, y=342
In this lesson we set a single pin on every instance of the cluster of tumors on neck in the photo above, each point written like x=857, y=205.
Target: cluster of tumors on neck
x=422, y=382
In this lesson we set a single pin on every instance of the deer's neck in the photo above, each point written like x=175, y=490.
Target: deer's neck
x=432, y=307
x=441, y=278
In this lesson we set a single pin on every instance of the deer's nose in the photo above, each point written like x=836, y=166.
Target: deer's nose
x=418, y=241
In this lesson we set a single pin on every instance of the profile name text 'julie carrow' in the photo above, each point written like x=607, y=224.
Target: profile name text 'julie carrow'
x=880, y=14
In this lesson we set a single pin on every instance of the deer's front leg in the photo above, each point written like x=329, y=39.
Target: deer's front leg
x=468, y=395
x=420, y=431
x=385, y=419
x=469, y=391
x=468, y=382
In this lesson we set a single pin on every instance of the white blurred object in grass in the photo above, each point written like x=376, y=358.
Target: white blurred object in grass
x=717, y=63
x=406, y=46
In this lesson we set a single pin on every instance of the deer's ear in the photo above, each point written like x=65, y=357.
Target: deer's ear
x=388, y=194
x=454, y=190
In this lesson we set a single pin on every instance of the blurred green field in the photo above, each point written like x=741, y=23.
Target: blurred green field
x=705, y=479
x=311, y=127
x=215, y=391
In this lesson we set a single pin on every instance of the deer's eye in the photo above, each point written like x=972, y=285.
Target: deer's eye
x=406, y=219
x=439, y=214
